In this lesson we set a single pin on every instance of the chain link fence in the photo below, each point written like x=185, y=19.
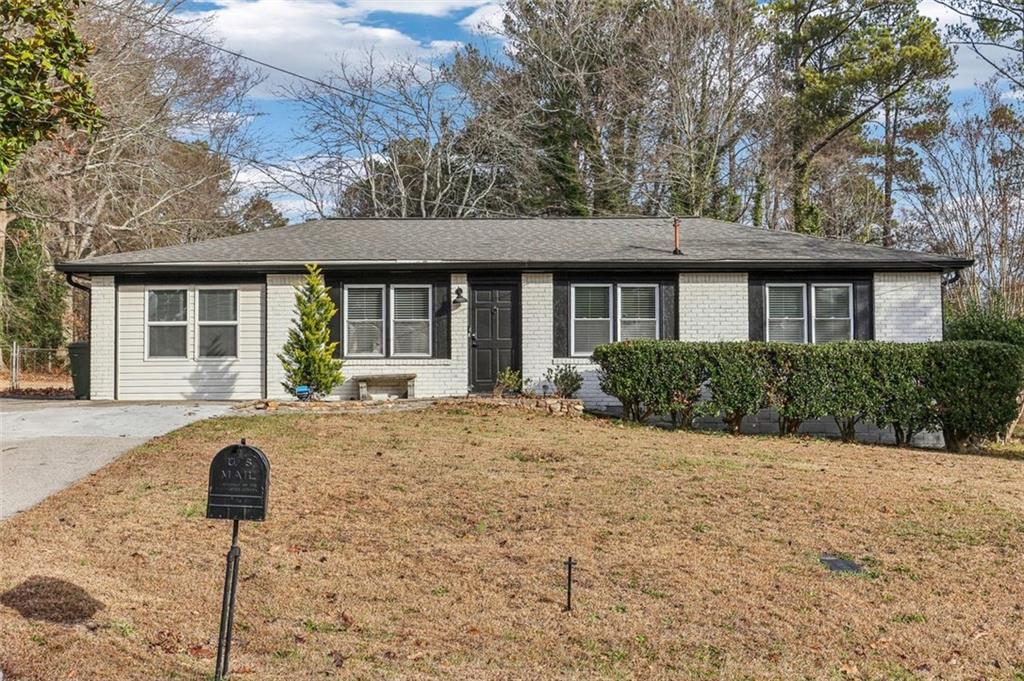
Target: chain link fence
x=22, y=367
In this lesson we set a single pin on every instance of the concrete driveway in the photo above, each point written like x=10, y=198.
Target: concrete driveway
x=46, y=445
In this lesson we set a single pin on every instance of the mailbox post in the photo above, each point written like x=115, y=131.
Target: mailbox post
x=239, y=489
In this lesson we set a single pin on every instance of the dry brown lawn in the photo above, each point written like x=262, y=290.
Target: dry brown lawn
x=430, y=545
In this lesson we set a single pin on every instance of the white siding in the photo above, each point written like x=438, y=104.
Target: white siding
x=908, y=306
x=713, y=306
x=190, y=377
x=434, y=377
x=101, y=338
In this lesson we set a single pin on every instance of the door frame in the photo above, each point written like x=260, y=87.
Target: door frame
x=515, y=284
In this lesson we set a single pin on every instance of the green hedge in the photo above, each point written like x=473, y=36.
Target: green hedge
x=967, y=389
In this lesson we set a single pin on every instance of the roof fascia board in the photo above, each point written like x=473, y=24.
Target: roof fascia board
x=270, y=267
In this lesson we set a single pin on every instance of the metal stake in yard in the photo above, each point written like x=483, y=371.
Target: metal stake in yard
x=227, y=609
x=239, y=489
x=568, y=583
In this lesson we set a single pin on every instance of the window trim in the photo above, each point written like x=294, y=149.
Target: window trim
x=147, y=323
x=618, y=309
x=383, y=320
x=767, y=309
x=429, y=320
x=573, y=319
x=200, y=323
x=814, y=308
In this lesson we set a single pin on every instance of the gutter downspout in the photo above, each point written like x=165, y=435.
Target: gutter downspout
x=70, y=277
x=949, y=278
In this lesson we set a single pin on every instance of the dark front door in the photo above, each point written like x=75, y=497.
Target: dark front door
x=494, y=332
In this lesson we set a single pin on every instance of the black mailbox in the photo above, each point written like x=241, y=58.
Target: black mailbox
x=239, y=484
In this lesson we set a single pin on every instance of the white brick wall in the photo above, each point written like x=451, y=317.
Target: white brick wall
x=537, y=302
x=280, y=316
x=713, y=306
x=434, y=377
x=908, y=306
x=101, y=338
x=538, y=342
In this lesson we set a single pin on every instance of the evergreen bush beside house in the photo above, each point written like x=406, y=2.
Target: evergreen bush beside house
x=308, y=354
x=966, y=389
x=994, y=322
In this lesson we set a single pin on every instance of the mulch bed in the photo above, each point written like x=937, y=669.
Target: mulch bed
x=39, y=394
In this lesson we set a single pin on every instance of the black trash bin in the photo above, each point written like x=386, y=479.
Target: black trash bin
x=78, y=355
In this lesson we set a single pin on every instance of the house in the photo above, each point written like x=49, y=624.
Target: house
x=450, y=302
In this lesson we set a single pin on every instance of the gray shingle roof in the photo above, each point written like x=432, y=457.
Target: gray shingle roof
x=636, y=242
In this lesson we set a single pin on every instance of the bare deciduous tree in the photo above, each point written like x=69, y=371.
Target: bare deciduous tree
x=154, y=172
x=402, y=139
x=971, y=201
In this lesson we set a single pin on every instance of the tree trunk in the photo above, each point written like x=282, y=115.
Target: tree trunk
x=5, y=218
x=67, y=321
x=888, y=171
x=804, y=221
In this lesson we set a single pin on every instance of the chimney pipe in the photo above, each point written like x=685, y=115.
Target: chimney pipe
x=675, y=230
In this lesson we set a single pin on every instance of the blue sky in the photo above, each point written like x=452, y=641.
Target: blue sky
x=310, y=36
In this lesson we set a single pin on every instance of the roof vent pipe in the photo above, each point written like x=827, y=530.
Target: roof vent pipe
x=675, y=230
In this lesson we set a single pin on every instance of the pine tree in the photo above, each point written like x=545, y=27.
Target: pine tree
x=308, y=355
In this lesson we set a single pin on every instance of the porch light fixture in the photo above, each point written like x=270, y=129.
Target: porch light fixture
x=459, y=298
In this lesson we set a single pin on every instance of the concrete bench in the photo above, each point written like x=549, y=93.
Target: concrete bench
x=364, y=383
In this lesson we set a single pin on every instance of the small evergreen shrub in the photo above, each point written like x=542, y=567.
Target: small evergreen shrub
x=997, y=323
x=968, y=389
x=509, y=382
x=973, y=387
x=739, y=378
x=654, y=377
x=308, y=354
x=565, y=379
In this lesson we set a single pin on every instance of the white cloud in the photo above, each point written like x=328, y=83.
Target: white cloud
x=486, y=20
x=432, y=8
x=308, y=36
x=970, y=68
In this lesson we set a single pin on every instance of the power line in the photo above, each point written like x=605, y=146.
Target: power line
x=567, y=165
x=245, y=57
x=251, y=160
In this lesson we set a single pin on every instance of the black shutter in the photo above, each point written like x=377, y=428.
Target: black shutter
x=669, y=315
x=863, y=310
x=442, y=320
x=755, y=303
x=335, y=291
x=560, y=312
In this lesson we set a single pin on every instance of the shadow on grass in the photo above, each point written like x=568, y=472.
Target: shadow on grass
x=51, y=600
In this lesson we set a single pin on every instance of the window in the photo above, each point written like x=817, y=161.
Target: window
x=410, y=321
x=786, y=314
x=833, y=312
x=218, y=322
x=364, y=321
x=591, y=317
x=166, y=323
x=638, y=311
